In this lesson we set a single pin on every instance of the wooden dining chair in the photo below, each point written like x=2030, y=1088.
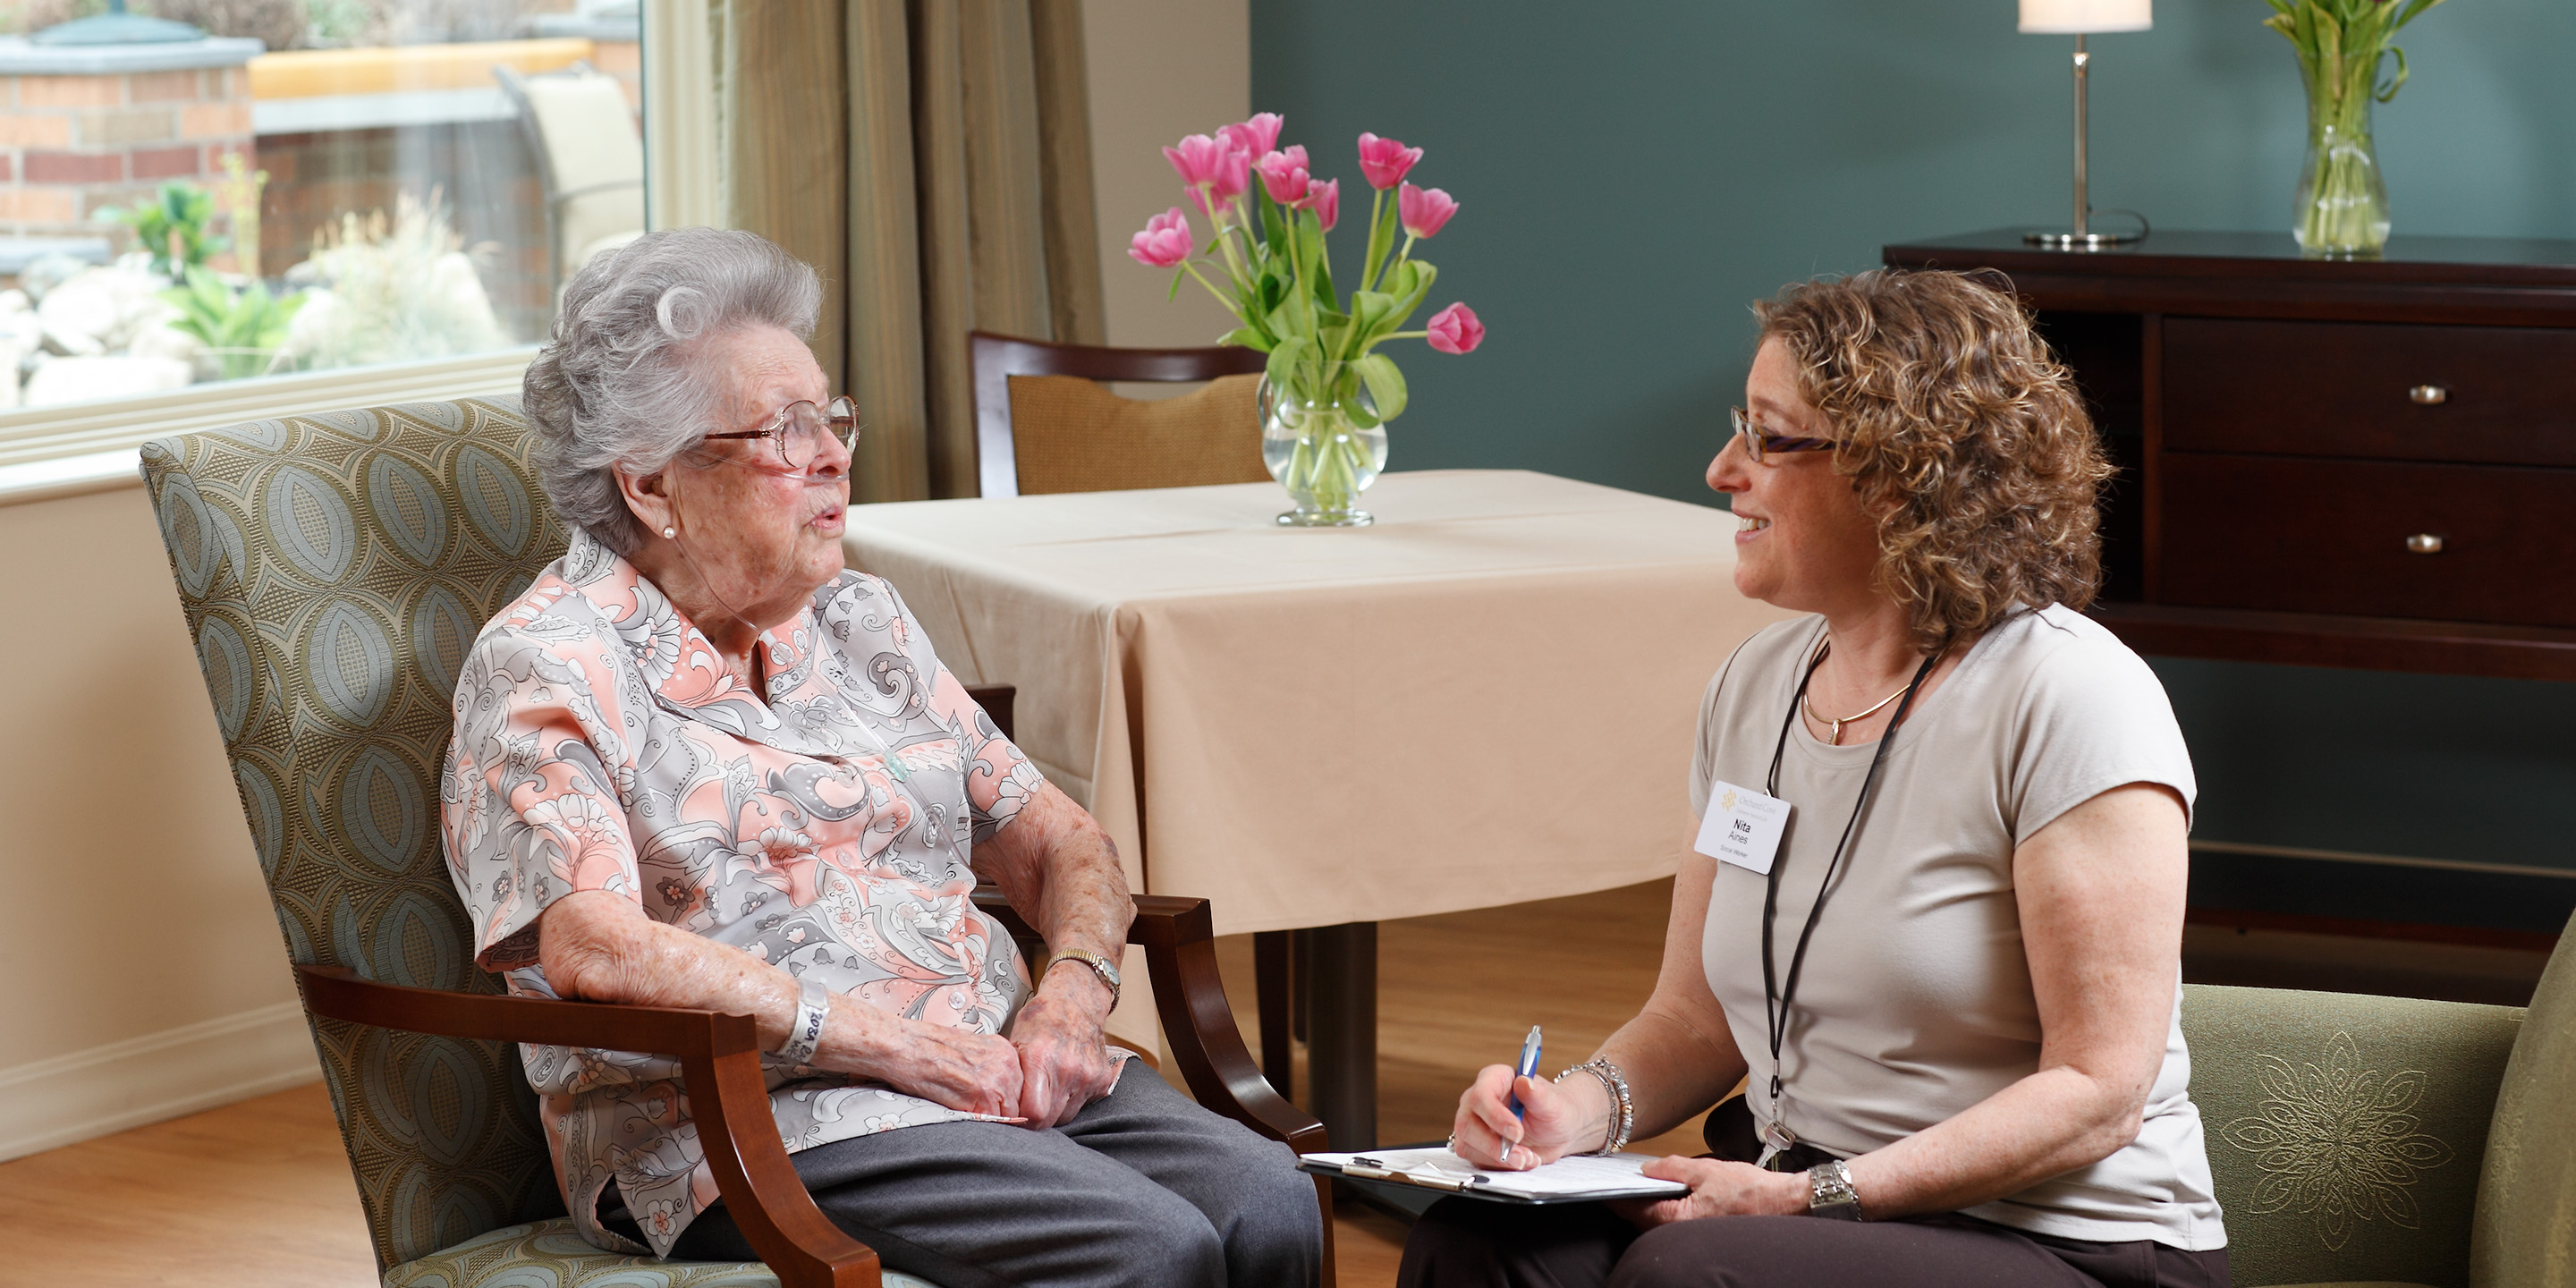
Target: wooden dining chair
x=1044, y=423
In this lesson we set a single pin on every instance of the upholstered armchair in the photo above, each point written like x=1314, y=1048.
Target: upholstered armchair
x=2376, y=1140
x=334, y=568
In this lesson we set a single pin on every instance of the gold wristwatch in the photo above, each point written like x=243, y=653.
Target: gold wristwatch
x=1099, y=966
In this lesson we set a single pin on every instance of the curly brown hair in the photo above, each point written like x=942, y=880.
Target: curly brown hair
x=1961, y=432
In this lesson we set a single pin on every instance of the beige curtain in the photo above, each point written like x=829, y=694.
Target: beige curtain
x=933, y=159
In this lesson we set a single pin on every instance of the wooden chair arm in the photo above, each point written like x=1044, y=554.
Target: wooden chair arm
x=719, y=1058
x=1179, y=940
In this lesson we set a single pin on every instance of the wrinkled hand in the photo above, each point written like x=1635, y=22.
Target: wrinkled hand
x=1487, y=1134
x=1718, y=1188
x=1063, y=1056
x=974, y=1072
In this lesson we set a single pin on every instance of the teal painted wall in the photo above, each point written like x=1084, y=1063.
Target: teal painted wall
x=1633, y=173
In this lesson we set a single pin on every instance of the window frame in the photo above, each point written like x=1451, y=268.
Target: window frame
x=72, y=448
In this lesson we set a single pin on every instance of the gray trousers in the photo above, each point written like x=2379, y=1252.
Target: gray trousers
x=1142, y=1187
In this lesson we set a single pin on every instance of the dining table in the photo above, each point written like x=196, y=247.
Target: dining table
x=1486, y=697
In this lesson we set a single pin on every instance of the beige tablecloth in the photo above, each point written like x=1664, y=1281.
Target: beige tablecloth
x=1487, y=697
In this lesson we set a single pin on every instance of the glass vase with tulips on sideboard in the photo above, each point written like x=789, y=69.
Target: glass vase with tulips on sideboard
x=2341, y=211
x=1327, y=393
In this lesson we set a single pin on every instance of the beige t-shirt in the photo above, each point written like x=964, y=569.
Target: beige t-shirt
x=1915, y=1001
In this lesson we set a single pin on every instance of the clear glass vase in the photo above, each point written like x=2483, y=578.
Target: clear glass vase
x=1326, y=452
x=2342, y=207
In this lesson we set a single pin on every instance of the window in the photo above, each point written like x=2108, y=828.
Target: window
x=296, y=203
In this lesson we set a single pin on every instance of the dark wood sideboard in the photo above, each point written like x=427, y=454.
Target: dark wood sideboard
x=2362, y=464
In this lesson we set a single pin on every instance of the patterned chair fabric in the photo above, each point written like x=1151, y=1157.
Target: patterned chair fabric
x=334, y=568
x=2345, y=1132
x=547, y=1254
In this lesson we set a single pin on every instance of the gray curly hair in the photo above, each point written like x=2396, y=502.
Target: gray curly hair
x=620, y=383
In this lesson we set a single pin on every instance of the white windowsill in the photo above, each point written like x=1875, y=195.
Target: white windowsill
x=48, y=452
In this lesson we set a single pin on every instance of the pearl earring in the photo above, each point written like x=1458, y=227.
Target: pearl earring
x=671, y=533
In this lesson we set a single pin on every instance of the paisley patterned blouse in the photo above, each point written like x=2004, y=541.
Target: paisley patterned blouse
x=823, y=826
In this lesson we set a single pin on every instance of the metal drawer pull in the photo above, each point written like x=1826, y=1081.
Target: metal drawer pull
x=2429, y=395
x=2423, y=543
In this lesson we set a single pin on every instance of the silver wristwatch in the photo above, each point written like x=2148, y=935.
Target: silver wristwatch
x=1830, y=1192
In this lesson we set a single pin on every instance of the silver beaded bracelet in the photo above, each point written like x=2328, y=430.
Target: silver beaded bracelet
x=805, y=1036
x=1623, y=1117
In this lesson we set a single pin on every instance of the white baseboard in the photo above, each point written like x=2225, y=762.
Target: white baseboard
x=107, y=1089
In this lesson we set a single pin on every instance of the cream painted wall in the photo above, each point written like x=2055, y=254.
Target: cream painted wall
x=148, y=978
x=140, y=905
x=1159, y=69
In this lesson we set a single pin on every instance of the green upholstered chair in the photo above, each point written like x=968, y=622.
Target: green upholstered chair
x=334, y=568
x=2378, y=1140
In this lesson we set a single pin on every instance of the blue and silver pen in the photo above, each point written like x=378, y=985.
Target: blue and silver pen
x=1528, y=1067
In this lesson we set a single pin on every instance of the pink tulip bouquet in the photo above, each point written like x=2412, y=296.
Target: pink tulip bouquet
x=1329, y=392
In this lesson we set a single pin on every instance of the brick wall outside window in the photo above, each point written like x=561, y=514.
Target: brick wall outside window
x=71, y=145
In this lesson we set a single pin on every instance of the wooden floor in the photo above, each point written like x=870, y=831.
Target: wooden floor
x=253, y=1193
x=259, y=1192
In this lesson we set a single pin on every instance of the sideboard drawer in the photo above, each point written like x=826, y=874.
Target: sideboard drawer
x=2349, y=537
x=2487, y=394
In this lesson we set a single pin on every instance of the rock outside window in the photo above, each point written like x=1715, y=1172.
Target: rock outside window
x=223, y=190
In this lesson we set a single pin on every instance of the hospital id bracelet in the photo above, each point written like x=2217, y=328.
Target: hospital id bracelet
x=805, y=1036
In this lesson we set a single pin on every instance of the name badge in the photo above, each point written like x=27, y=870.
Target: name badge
x=1742, y=827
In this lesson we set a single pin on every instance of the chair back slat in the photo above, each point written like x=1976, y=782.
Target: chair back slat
x=998, y=358
x=334, y=568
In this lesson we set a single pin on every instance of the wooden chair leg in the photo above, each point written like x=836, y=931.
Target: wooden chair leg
x=1324, y=1203
x=1271, y=967
x=1301, y=964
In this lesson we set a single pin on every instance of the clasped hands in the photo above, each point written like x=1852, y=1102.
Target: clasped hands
x=1055, y=1061
x=1571, y=1117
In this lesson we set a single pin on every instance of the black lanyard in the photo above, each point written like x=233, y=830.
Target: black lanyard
x=1776, y=1000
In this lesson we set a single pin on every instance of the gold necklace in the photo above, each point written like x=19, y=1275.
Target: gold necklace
x=1836, y=739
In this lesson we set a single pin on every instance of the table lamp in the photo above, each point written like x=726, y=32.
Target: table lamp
x=2080, y=18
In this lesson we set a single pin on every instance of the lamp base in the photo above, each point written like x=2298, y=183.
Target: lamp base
x=2055, y=239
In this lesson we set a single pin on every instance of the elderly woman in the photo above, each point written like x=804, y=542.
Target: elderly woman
x=699, y=764
x=1932, y=919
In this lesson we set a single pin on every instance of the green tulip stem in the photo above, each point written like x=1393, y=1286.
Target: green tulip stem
x=1327, y=462
x=1221, y=297
x=1371, y=271
x=1235, y=270
x=2343, y=213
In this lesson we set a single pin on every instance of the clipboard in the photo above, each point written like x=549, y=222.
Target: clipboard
x=1581, y=1179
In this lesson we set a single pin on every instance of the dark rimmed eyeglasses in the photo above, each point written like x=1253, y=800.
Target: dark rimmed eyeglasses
x=1760, y=442
x=800, y=427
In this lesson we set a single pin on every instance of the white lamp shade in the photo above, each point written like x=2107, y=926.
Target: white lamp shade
x=2086, y=17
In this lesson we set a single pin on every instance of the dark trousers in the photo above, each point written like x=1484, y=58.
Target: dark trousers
x=1142, y=1187
x=1471, y=1243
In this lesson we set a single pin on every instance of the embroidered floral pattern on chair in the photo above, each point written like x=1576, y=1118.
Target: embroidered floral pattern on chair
x=2337, y=1142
